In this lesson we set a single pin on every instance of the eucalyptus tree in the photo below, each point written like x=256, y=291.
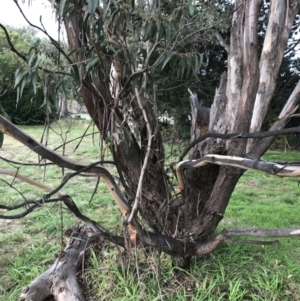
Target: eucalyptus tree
x=117, y=49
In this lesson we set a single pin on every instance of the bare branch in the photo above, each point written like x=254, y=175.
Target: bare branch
x=281, y=170
x=36, y=204
x=222, y=42
x=28, y=181
x=145, y=163
x=25, y=164
x=8, y=128
x=239, y=135
x=263, y=233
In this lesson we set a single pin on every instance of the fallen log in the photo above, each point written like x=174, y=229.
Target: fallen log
x=60, y=282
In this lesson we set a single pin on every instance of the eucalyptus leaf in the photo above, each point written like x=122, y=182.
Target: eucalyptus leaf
x=168, y=59
x=92, y=5
x=61, y=7
x=191, y=9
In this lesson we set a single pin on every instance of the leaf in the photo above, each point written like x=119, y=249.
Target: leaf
x=162, y=31
x=100, y=24
x=91, y=63
x=167, y=27
x=34, y=82
x=76, y=75
x=61, y=7
x=142, y=52
x=110, y=47
x=22, y=85
x=92, y=5
x=18, y=76
x=30, y=61
x=45, y=96
x=191, y=9
x=188, y=65
x=168, y=59
x=18, y=95
x=153, y=28
x=146, y=31
x=115, y=4
x=183, y=61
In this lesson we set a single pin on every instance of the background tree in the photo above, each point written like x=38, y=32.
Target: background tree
x=27, y=109
x=116, y=50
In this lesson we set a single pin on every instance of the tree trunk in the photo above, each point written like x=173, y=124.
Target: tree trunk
x=108, y=118
x=207, y=191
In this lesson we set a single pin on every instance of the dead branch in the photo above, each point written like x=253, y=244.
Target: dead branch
x=59, y=281
x=36, y=204
x=25, y=164
x=8, y=128
x=263, y=233
x=222, y=42
x=239, y=136
x=145, y=163
x=281, y=170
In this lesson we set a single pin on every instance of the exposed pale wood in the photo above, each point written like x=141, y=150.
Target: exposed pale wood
x=59, y=281
x=287, y=170
x=200, y=117
x=222, y=42
x=282, y=15
x=217, y=110
x=241, y=135
x=289, y=108
x=235, y=64
x=250, y=72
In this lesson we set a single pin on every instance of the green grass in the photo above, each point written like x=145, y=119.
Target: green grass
x=232, y=272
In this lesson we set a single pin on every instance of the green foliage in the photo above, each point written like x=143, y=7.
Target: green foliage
x=167, y=42
x=22, y=105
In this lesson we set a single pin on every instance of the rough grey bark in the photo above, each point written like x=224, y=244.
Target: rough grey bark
x=60, y=282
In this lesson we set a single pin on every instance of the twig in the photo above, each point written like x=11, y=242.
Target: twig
x=222, y=42
x=145, y=163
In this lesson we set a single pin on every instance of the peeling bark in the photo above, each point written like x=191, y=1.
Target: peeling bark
x=282, y=15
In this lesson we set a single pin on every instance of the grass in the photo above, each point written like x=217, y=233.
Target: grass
x=232, y=272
